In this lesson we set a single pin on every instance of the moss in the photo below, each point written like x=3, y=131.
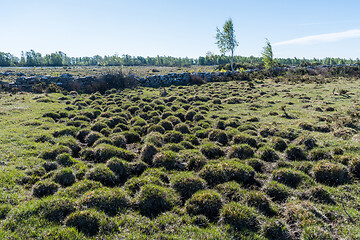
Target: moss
x=205, y=202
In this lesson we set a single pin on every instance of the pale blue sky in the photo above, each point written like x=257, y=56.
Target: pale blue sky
x=306, y=28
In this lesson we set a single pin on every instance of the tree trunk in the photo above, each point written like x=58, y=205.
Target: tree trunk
x=232, y=61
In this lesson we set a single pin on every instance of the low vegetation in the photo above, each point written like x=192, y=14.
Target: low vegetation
x=221, y=160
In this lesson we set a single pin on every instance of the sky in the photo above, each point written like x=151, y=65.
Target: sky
x=181, y=28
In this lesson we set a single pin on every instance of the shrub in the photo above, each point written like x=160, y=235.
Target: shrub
x=330, y=173
x=279, y=144
x=277, y=191
x=81, y=135
x=111, y=201
x=229, y=170
x=290, y=177
x=65, y=160
x=103, y=174
x=174, y=120
x=131, y=137
x=86, y=221
x=295, y=153
x=193, y=158
x=239, y=217
x=147, y=153
x=91, y=138
x=190, y=115
x=186, y=184
x=231, y=191
x=244, y=138
x=44, y=188
x=218, y=135
x=134, y=184
x=205, y=202
x=168, y=160
x=241, y=151
x=198, y=117
x=104, y=152
x=153, y=200
x=118, y=140
x=173, y=137
x=275, y=229
x=256, y=164
x=65, y=177
x=355, y=167
x=102, y=140
x=212, y=150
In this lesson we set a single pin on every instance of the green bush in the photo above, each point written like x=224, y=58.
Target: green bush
x=44, y=188
x=101, y=173
x=156, y=128
x=167, y=125
x=187, y=183
x=65, y=160
x=54, y=152
x=98, y=126
x=86, y=221
x=212, y=150
x=65, y=177
x=168, y=160
x=118, y=167
x=71, y=131
x=268, y=154
x=229, y=170
x=147, y=153
x=174, y=120
x=290, y=177
x=330, y=173
x=109, y=200
x=134, y=184
x=239, y=217
x=241, y=151
x=153, y=200
x=275, y=229
x=205, y=202
x=190, y=115
x=218, y=135
x=257, y=164
x=104, y=152
x=193, y=158
x=50, y=166
x=317, y=154
x=173, y=137
x=277, y=191
x=295, y=153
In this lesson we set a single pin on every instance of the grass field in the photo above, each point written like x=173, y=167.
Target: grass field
x=223, y=160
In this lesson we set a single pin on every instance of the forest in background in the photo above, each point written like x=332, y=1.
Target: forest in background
x=58, y=59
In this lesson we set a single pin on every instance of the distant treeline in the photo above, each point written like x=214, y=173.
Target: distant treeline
x=58, y=59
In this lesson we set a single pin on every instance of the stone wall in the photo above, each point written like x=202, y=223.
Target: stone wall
x=68, y=82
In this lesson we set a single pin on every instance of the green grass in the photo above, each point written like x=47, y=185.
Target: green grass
x=217, y=161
